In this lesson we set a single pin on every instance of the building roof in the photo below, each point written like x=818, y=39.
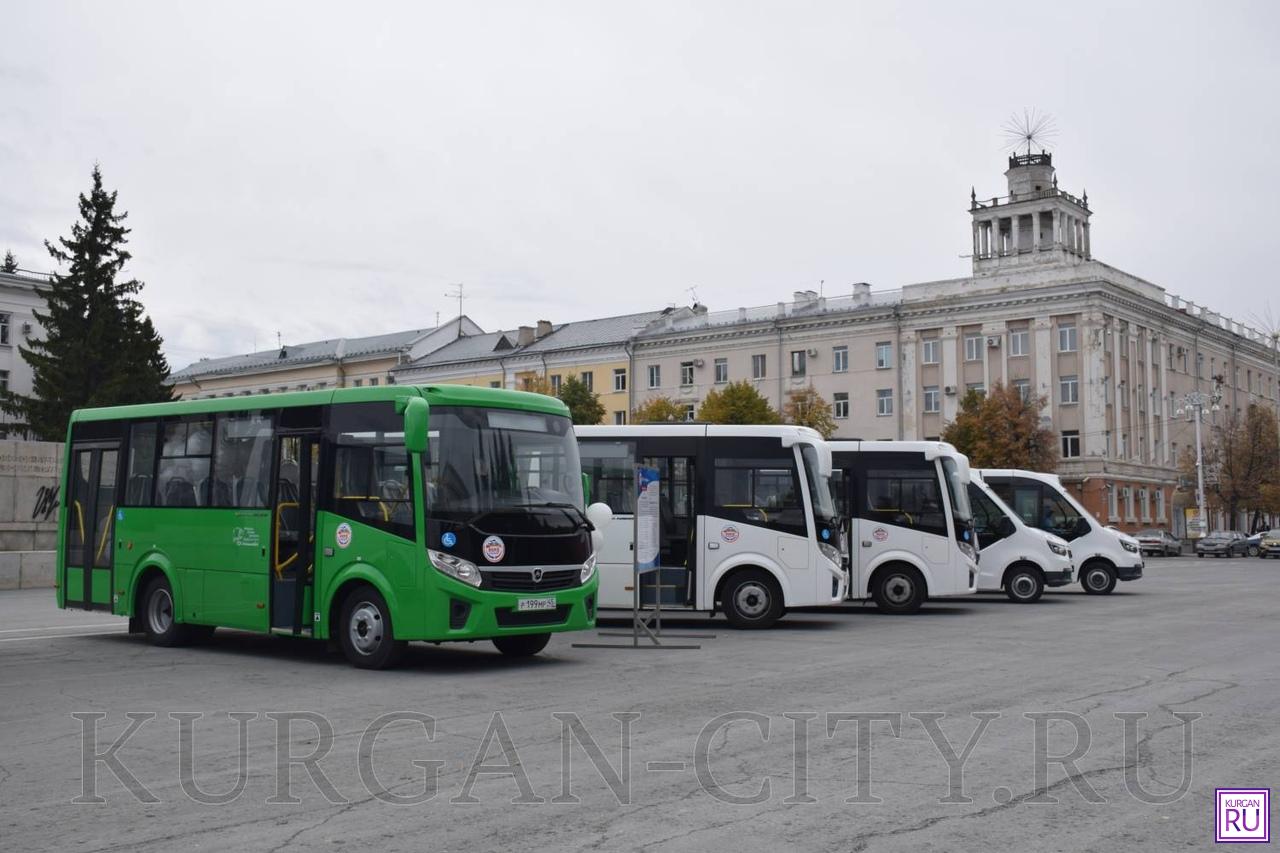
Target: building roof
x=469, y=348
x=291, y=355
x=593, y=333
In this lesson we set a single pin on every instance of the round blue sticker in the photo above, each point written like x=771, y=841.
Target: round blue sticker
x=449, y=539
x=826, y=534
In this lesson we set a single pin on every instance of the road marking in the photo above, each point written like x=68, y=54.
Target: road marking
x=62, y=636
x=61, y=627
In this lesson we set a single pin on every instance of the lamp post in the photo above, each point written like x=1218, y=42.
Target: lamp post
x=1193, y=405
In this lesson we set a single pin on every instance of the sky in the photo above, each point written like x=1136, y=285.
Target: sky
x=316, y=170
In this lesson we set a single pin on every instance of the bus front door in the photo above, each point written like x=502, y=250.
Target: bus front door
x=293, y=539
x=91, y=506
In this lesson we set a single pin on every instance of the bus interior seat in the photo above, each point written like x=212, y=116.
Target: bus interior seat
x=179, y=492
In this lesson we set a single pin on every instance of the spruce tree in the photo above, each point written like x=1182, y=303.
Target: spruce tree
x=99, y=347
x=10, y=263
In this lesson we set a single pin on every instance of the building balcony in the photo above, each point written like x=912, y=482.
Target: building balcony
x=1015, y=198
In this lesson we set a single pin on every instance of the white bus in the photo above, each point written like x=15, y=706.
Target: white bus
x=747, y=523
x=1102, y=556
x=1017, y=558
x=910, y=527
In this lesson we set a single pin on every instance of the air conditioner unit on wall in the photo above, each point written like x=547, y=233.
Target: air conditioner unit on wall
x=993, y=342
x=813, y=353
x=949, y=390
x=697, y=362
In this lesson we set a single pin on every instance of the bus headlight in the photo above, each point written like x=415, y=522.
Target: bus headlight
x=455, y=567
x=831, y=552
x=967, y=550
x=1131, y=547
x=588, y=569
x=1060, y=550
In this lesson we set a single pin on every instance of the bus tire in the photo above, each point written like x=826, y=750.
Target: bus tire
x=159, y=615
x=1024, y=583
x=522, y=645
x=751, y=598
x=898, y=589
x=365, y=631
x=1098, y=578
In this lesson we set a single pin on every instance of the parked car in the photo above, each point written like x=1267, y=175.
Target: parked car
x=1223, y=543
x=1158, y=542
x=1269, y=544
x=1254, y=541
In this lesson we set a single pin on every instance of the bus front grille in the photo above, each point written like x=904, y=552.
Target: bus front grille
x=517, y=619
x=524, y=582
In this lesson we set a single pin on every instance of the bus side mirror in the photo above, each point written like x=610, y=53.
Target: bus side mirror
x=416, y=413
x=600, y=516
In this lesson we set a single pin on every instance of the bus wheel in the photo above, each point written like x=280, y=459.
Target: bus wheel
x=365, y=631
x=522, y=645
x=898, y=590
x=1098, y=579
x=751, y=599
x=1024, y=584
x=159, y=617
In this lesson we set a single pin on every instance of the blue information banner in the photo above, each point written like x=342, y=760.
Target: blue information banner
x=648, y=489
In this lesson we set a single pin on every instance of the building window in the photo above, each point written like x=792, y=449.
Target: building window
x=493, y=383
x=1113, y=505
x=1200, y=365
x=1068, y=389
x=4, y=327
x=4, y=382
x=690, y=412
x=799, y=362
x=884, y=355
x=1066, y=337
x=555, y=384
x=884, y=402
x=373, y=380
x=619, y=379
x=589, y=380
x=1171, y=356
x=1128, y=504
x=840, y=405
x=1070, y=444
x=757, y=367
x=1159, y=504
x=973, y=347
x=932, y=400
x=978, y=387
x=930, y=351
x=839, y=359
x=1019, y=342
x=722, y=371
x=1023, y=387
x=1144, y=504
x=620, y=418
x=655, y=376
x=686, y=373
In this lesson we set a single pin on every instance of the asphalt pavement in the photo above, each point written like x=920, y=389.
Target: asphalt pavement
x=826, y=733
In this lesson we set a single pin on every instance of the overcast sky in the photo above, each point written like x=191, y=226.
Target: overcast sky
x=324, y=170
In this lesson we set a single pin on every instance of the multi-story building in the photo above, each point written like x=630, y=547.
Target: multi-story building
x=1112, y=354
x=20, y=297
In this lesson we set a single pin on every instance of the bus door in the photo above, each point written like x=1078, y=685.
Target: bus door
x=899, y=505
x=91, y=508
x=675, y=580
x=294, y=526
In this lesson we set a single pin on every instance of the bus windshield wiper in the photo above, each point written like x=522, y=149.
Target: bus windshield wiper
x=560, y=505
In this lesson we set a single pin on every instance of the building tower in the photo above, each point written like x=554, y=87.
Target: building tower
x=1036, y=223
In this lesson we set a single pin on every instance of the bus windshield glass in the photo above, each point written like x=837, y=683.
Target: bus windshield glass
x=956, y=490
x=496, y=460
x=819, y=486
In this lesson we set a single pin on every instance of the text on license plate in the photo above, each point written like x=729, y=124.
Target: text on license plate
x=525, y=604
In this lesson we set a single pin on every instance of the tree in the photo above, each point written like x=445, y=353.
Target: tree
x=1001, y=429
x=658, y=410
x=100, y=348
x=737, y=403
x=10, y=263
x=536, y=383
x=584, y=404
x=1240, y=465
x=806, y=407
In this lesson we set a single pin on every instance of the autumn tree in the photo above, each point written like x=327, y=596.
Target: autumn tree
x=1241, y=458
x=536, y=383
x=737, y=403
x=658, y=410
x=1002, y=429
x=99, y=347
x=584, y=404
x=806, y=407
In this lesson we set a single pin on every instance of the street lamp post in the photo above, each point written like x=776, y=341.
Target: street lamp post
x=1193, y=405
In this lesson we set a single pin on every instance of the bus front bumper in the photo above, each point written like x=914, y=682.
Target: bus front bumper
x=1059, y=578
x=461, y=612
x=1129, y=573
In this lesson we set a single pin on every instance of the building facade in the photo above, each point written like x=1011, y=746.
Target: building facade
x=20, y=297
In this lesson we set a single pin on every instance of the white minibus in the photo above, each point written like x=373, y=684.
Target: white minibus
x=1019, y=559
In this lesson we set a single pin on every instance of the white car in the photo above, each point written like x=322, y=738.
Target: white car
x=1014, y=557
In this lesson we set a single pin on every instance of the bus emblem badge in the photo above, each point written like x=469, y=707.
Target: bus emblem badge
x=537, y=575
x=494, y=549
x=343, y=535
x=729, y=534
x=880, y=534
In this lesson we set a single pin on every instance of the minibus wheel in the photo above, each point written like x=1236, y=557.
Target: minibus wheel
x=1098, y=579
x=522, y=645
x=159, y=615
x=898, y=589
x=1024, y=584
x=365, y=631
x=751, y=599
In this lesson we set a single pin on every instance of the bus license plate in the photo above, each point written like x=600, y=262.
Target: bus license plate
x=527, y=604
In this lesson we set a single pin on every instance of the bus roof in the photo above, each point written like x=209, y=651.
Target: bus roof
x=1052, y=479
x=931, y=448
x=782, y=431
x=436, y=395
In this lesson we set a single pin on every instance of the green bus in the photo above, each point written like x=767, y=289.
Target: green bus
x=366, y=516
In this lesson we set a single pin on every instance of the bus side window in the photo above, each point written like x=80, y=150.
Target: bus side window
x=183, y=479
x=905, y=495
x=609, y=465
x=763, y=492
x=242, y=465
x=987, y=518
x=142, y=465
